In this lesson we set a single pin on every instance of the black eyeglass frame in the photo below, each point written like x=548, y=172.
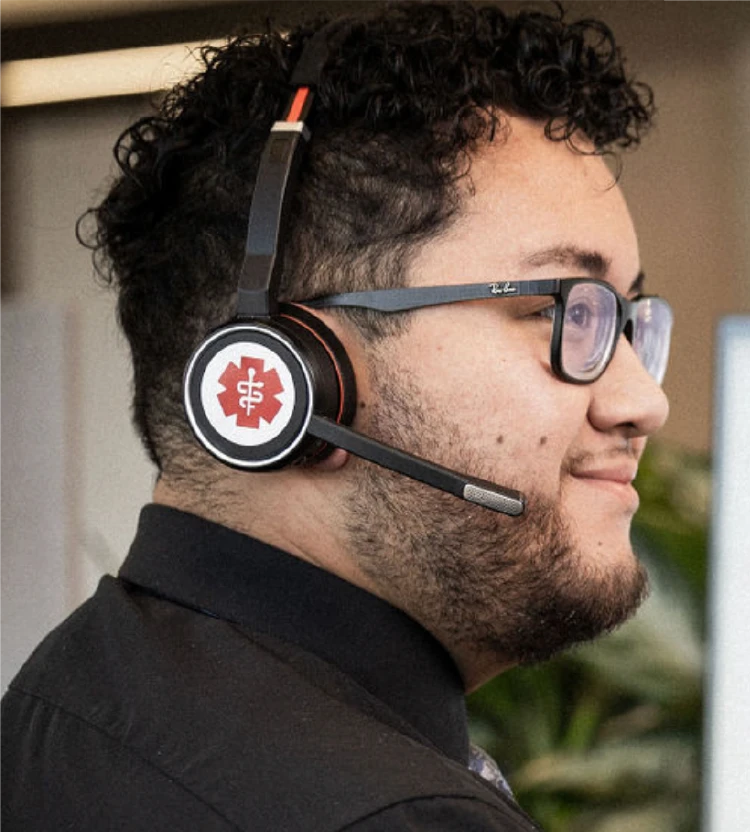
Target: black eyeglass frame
x=419, y=297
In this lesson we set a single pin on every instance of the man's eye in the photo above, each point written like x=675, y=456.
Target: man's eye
x=579, y=314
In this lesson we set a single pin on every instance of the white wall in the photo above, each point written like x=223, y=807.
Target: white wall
x=727, y=755
x=73, y=475
x=35, y=507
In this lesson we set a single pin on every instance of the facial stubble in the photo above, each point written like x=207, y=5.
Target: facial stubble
x=518, y=590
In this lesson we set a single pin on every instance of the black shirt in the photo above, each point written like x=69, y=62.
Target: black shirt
x=221, y=684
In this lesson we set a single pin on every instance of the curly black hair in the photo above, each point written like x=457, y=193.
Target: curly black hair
x=408, y=93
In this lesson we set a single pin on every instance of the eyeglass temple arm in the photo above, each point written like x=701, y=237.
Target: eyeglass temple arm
x=418, y=297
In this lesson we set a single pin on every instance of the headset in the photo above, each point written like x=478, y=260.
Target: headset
x=274, y=385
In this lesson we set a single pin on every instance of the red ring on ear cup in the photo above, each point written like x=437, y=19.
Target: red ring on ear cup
x=339, y=359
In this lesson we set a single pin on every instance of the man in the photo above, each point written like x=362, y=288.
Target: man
x=288, y=643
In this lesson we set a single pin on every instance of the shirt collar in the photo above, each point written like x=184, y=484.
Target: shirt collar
x=227, y=574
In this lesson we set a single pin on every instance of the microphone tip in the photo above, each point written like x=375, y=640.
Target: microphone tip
x=506, y=501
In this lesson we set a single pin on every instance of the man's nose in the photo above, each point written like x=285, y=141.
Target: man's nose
x=628, y=396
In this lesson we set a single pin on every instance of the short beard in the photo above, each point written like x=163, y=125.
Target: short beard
x=516, y=590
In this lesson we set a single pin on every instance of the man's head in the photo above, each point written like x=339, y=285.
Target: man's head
x=451, y=145
x=471, y=385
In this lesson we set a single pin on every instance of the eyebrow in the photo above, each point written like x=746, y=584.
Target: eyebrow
x=579, y=259
x=570, y=257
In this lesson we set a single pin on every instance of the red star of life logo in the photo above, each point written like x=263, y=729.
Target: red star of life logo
x=250, y=392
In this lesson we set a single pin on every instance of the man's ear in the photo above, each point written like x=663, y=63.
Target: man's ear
x=335, y=461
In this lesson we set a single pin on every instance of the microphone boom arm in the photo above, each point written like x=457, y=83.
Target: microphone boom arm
x=483, y=493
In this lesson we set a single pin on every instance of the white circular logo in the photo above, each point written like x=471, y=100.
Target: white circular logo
x=247, y=394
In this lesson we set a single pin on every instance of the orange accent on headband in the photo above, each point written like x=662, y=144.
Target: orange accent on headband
x=295, y=111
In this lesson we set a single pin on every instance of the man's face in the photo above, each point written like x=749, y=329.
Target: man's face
x=470, y=386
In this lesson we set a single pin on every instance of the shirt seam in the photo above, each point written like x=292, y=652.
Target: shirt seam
x=437, y=796
x=130, y=750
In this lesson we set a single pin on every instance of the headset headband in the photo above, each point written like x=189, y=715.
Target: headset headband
x=257, y=295
x=260, y=393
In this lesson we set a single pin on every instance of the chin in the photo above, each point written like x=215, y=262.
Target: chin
x=602, y=536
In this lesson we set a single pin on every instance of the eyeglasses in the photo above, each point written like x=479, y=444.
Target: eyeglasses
x=588, y=318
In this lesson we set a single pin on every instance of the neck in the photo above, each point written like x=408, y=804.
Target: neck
x=276, y=508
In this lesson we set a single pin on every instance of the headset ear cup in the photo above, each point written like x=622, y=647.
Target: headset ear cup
x=249, y=395
x=251, y=388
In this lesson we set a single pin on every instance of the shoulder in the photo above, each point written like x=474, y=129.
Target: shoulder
x=61, y=772
x=132, y=690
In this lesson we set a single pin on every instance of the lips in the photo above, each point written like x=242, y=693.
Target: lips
x=615, y=480
x=623, y=473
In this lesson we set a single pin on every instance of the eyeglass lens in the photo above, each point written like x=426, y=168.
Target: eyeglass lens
x=589, y=332
x=651, y=335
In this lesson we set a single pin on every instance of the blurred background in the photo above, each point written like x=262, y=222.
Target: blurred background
x=607, y=738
